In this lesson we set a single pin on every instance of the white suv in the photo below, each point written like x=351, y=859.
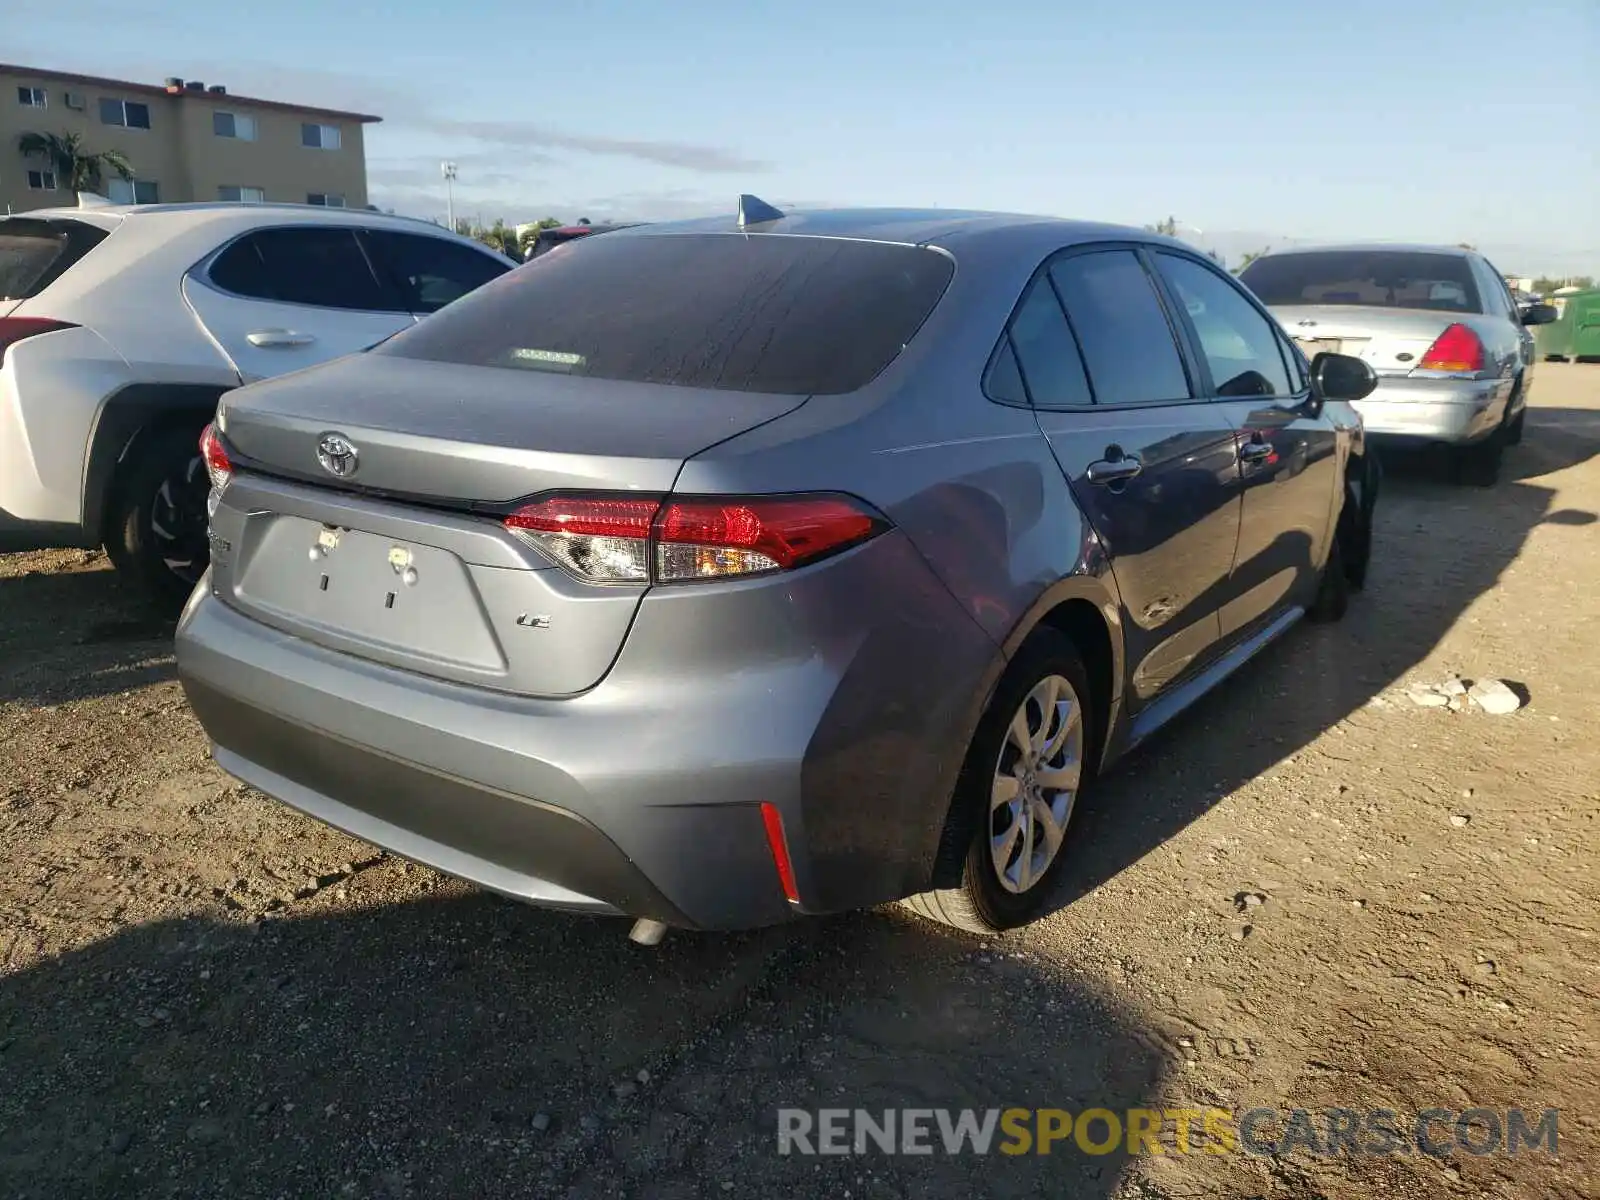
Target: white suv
x=121, y=326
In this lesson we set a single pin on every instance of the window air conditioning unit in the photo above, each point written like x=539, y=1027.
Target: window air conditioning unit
x=75, y=101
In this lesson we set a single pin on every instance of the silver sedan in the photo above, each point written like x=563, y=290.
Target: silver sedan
x=1449, y=344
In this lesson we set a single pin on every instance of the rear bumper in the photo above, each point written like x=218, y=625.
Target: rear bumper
x=1455, y=411
x=642, y=796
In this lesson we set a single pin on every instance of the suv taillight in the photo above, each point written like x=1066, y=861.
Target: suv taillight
x=218, y=466
x=1456, y=349
x=14, y=329
x=624, y=539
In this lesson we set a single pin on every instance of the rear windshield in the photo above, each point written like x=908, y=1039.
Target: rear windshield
x=1373, y=278
x=34, y=254
x=798, y=315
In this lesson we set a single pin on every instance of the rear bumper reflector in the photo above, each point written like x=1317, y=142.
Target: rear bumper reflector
x=773, y=820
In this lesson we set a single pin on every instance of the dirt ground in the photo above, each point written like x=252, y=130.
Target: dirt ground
x=204, y=994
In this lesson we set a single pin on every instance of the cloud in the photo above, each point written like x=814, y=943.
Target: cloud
x=533, y=135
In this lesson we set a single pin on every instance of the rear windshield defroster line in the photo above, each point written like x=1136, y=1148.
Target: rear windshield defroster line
x=787, y=315
x=35, y=253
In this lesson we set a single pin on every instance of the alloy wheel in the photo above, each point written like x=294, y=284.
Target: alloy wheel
x=178, y=520
x=1036, y=783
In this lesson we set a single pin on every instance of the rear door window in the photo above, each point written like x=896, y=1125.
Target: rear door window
x=322, y=266
x=34, y=253
x=429, y=272
x=1127, y=341
x=793, y=315
x=1370, y=278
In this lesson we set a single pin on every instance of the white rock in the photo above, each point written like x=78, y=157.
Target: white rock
x=1427, y=696
x=1493, y=696
x=1452, y=687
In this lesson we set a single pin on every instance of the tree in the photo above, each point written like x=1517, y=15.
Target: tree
x=1465, y=246
x=1167, y=228
x=1545, y=284
x=72, y=162
x=583, y=221
x=1249, y=257
x=530, y=235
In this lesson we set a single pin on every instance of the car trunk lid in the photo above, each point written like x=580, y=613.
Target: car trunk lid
x=403, y=559
x=1391, y=340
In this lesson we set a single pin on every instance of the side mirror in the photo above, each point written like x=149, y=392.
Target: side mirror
x=1341, y=377
x=1539, y=314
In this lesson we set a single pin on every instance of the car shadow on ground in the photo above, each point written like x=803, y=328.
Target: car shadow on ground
x=79, y=633
x=1318, y=676
x=463, y=1045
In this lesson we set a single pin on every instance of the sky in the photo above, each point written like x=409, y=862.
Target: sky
x=1252, y=123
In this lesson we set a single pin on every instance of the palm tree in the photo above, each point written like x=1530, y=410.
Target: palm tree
x=74, y=165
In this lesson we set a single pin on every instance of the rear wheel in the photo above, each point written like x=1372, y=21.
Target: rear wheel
x=1479, y=465
x=156, y=526
x=1514, y=430
x=1018, y=790
x=1333, y=591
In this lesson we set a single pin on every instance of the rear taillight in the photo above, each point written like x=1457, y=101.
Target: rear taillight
x=1456, y=349
x=14, y=329
x=215, y=454
x=619, y=539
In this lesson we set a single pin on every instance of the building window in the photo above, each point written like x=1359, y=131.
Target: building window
x=242, y=195
x=325, y=200
x=128, y=113
x=133, y=191
x=320, y=137
x=42, y=181
x=233, y=125
x=32, y=97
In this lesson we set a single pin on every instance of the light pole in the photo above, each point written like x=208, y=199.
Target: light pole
x=448, y=170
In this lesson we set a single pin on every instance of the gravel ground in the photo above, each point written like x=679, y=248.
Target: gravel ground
x=1313, y=892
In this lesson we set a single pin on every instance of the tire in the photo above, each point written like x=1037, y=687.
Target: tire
x=1002, y=887
x=1357, y=521
x=1333, y=590
x=1479, y=465
x=156, y=520
x=1514, y=430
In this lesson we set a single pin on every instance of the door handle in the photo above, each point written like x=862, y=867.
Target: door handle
x=1114, y=470
x=278, y=337
x=1255, y=452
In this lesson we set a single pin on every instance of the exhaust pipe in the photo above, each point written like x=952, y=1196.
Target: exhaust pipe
x=647, y=933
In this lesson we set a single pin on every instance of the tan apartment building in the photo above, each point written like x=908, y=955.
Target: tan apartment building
x=185, y=141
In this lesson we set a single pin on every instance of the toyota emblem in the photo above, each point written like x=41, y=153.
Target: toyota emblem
x=337, y=455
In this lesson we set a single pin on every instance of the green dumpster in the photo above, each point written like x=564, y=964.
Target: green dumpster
x=1575, y=333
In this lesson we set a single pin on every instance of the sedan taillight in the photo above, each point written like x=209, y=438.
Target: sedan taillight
x=1457, y=349
x=623, y=539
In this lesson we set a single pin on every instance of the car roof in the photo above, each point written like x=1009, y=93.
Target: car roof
x=959, y=231
x=231, y=212
x=225, y=219
x=1370, y=247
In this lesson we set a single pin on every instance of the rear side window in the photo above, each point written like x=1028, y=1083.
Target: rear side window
x=757, y=313
x=430, y=272
x=34, y=254
x=307, y=265
x=1046, y=355
x=1371, y=278
x=1127, y=342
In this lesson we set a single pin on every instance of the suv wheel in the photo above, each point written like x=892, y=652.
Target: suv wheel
x=156, y=526
x=1514, y=430
x=1018, y=789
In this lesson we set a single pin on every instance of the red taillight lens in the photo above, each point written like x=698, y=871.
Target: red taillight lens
x=1456, y=349
x=14, y=329
x=627, y=540
x=215, y=454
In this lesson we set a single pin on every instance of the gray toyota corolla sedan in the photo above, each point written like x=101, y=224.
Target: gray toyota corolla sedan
x=721, y=572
